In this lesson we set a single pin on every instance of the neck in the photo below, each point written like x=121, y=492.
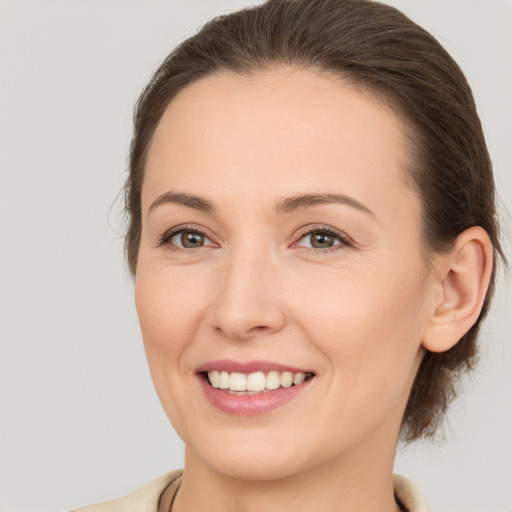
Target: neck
x=358, y=481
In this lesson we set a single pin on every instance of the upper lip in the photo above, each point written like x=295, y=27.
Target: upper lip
x=230, y=366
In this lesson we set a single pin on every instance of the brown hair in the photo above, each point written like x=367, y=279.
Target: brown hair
x=379, y=49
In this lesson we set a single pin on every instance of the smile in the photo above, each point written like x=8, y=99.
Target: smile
x=256, y=382
x=251, y=388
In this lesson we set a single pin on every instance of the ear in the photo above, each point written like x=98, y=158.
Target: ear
x=462, y=278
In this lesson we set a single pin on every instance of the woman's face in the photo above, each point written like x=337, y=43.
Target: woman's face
x=279, y=235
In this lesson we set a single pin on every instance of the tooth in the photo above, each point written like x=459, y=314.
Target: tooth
x=299, y=378
x=224, y=380
x=214, y=378
x=273, y=380
x=256, y=381
x=237, y=382
x=286, y=379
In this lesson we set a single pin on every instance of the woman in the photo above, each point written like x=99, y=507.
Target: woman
x=313, y=239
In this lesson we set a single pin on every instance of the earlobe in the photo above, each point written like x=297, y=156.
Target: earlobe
x=464, y=274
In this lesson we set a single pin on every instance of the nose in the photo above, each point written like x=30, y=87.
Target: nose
x=247, y=299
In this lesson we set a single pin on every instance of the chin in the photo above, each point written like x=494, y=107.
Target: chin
x=255, y=467
x=250, y=457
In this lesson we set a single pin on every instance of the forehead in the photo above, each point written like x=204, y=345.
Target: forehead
x=290, y=129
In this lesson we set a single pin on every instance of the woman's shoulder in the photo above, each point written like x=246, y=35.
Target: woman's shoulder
x=409, y=495
x=144, y=499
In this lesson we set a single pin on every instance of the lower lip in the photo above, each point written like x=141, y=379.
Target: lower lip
x=250, y=405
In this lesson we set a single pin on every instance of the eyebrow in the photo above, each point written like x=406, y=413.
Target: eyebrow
x=293, y=203
x=189, y=200
x=285, y=205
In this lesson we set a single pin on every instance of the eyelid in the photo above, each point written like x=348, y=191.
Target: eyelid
x=166, y=237
x=345, y=240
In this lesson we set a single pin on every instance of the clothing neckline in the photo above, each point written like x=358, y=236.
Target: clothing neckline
x=169, y=494
x=408, y=496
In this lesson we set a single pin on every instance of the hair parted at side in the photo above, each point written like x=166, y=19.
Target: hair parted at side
x=377, y=48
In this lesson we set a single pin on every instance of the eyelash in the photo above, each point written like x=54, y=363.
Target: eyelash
x=323, y=230
x=168, y=235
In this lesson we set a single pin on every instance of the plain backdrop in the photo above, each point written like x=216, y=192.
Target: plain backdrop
x=80, y=421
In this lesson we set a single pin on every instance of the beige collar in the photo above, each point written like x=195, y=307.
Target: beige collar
x=407, y=493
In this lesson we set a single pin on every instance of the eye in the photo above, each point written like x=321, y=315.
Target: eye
x=185, y=238
x=323, y=239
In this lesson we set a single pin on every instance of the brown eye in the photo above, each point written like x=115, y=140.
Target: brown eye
x=323, y=239
x=187, y=239
x=191, y=240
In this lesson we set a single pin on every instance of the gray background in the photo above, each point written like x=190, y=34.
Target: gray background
x=80, y=421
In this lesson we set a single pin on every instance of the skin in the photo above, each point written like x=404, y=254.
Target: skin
x=357, y=315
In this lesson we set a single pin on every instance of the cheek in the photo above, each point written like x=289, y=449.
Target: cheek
x=166, y=301
x=168, y=307
x=368, y=325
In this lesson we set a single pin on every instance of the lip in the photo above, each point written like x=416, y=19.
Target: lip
x=249, y=405
x=230, y=366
